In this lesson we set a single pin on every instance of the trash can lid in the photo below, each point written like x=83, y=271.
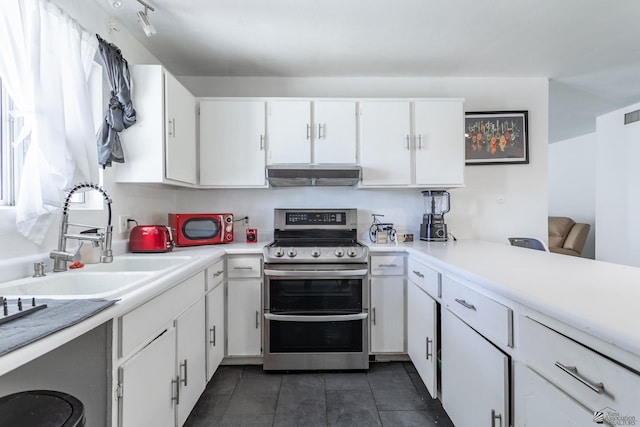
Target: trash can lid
x=38, y=408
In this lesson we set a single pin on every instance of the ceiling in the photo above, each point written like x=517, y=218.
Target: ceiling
x=589, y=49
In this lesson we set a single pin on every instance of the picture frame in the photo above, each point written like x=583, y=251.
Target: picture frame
x=496, y=137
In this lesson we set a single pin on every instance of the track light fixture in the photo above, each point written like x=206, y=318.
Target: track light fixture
x=143, y=19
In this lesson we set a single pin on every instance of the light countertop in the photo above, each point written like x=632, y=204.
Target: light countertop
x=597, y=298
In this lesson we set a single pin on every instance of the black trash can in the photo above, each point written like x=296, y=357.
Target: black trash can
x=41, y=408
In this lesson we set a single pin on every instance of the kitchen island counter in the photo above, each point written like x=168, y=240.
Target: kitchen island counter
x=598, y=299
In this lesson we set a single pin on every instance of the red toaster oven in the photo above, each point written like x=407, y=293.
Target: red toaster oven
x=201, y=229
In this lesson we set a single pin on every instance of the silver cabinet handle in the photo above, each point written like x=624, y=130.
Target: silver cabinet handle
x=465, y=304
x=184, y=365
x=172, y=127
x=212, y=335
x=408, y=143
x=261, y=142
x=429, y=354
x=417, y=273
x=257, y=319
x=175, y=383
x=243, y=268
x=374, y=316
x=217, y=273
x=388, y=265
x=573, y=371
x=419, y=142
x=308, y=131
x=495, y=416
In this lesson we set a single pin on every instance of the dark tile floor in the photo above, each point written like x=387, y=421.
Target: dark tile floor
x=389, y=394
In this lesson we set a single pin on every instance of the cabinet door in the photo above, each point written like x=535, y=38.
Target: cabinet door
x=191, y=358
x=385, y=139
x=215, y=329
x=244, y=318
x=439, y=142
x=334, y=132
x=180, y=132
x=232, y=143
x=290, y=132
x=148, y=384
x=422, y=335
x=387, y=315
x=475, y=376
x=538, y=403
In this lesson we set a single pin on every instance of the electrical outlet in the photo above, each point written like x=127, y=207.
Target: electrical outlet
x=246, y=220
x=123, y=223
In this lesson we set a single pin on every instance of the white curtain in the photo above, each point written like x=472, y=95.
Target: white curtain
x=45, y=62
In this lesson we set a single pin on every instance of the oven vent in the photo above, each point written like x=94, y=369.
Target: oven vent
x=632, y=117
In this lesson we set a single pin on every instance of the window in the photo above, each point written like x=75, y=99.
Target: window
x=11, y=158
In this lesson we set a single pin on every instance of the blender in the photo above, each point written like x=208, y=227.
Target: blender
x=433, y=228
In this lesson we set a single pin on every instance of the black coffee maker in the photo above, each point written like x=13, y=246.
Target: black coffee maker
x=433, y=228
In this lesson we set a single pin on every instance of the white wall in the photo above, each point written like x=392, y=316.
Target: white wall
x=475, y=210
x=572, y=183
x=617, y=178
x=146, y=204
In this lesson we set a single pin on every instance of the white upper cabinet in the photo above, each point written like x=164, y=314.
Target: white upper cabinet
x=161, y=146
x=439, y=142
x=232, y=143
x=180, y=135
x=335, y=132
x=412, y=143
x=311, y=132
x=385, y=140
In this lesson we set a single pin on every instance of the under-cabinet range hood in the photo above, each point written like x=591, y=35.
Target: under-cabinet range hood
x=301, y=175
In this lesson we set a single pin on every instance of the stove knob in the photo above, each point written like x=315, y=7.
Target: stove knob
x=315, y=252
x=279, y=252
x=351, y=252
x=292, y=252
x=339, y=252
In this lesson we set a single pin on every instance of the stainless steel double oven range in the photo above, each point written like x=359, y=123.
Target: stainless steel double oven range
x=316, y=299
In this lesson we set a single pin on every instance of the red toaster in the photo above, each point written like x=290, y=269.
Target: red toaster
x=150, y=238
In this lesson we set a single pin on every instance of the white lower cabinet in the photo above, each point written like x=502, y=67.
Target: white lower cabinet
x=475, y=376
x=161, y=357
x=148, y=384
x=538, y=403
x=422, y=335
x=387, y=304
x=387, y=314
x=244, y=317
x=191, y=359
x=215, y=329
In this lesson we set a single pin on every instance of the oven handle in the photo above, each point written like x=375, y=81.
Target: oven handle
x=304, y=318
x=316, y=273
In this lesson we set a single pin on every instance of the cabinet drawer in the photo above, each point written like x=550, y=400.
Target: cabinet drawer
x=425, y=277
x=588, y=377
x=387, y=265
x=215, y=275
x=142, y=324
x=488, y=317
x=241, y=267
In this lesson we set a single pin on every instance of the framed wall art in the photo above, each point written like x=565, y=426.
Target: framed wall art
x=496, y=137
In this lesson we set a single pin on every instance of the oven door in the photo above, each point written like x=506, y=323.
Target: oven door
x=316, y=317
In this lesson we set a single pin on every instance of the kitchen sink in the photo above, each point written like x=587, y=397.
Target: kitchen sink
x=134, y=262
x=75, y=284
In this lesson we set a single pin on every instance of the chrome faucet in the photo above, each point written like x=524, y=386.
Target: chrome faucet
x=60, y=255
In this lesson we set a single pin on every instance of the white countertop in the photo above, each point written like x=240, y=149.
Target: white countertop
x=597, y=298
